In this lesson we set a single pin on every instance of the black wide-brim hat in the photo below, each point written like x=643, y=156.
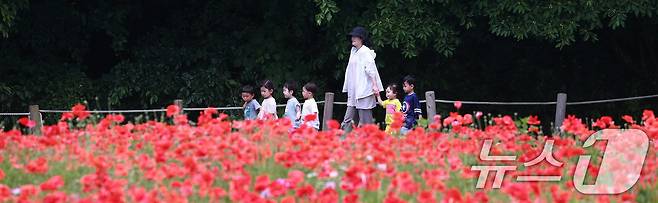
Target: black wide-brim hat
x=360, y=32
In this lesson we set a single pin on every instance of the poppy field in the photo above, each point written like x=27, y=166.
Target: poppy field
x=84, y=159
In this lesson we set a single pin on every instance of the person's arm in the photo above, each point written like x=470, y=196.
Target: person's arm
x=316, y=111
x=371, y=72
x=417, y=109
x=379, y=99
x=264, y=110
x=375, y=89
x=298, y=112
x=260, y=114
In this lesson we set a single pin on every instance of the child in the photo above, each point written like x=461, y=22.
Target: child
x=293, y=108
x=310, y=107
x=250, y=106
x=268, y=110
x=411, y=106
x=392, y=104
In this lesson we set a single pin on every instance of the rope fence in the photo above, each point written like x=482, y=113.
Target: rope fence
x=561, y=103
x=107, y=111
x=493, y=103
x=613, y=100
x=14, y=114
x=546, y=103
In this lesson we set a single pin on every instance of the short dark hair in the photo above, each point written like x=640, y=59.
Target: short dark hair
x=248, y=89
x=395, y=88
x=268, y=84
x=290, y=85
x=311, y=87
x=409, y=80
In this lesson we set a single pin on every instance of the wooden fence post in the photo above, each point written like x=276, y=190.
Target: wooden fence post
x=328, y=109
x=179, y=103
x=560, y=112
x=430, y=103
x=36, y=117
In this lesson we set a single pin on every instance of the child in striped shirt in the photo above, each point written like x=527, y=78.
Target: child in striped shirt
x=411, y=106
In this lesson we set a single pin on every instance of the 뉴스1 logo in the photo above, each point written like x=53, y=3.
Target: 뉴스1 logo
x=620, y=168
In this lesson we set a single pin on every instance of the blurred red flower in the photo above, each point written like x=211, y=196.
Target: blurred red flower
x=172, y=110
x=54, y=183
x=24, y=121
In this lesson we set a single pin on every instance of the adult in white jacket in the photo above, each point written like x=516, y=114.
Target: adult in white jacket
x=362, y=81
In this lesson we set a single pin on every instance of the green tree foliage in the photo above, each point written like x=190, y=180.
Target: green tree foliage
x=9, y=9
x=413, y=25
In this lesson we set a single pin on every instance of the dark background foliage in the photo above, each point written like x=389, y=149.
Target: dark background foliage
x=146, y=53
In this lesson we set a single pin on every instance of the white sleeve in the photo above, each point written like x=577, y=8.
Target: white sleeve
x=347, y=71
x=315, y=108
x=371, y=71
x=370, y=66
x=271, y=107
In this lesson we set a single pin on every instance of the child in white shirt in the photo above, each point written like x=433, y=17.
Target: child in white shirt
x=310, y=106
x=268, y=108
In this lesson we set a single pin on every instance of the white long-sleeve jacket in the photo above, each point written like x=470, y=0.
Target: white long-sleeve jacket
x=360, y=73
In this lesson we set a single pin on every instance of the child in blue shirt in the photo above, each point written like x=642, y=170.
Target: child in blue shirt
x=293, y=108
x=410, y=106
x=250, y=106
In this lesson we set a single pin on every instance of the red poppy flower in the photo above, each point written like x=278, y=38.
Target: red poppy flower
x=426, y=197
x=604, y=122
x=295, y=177
x=310, y=117
x=558, y=195
x=393, y=198
x=80, y=111
x=575, y=126
x=117, y=118
x=67, y=116
x=467, y=120
x=328, y=195
x=628, y=119
x=452, y=195
x=172, y=110
x=180, y=119
x=27, y=191
x=217, y=192
x=517, y=191
x=458, y=105
x=262, y=182
x=210, y=111
x=478, y=114
x=5, y=192
x=27, y=122
x=398, y=121
x=288, y=199
x=304, y=191
x=647, y=114
x=351, y=198
x=53, y=183
x=39, y=165
x=533, y=129
x=55, y=197
x=533, y=120
x=333, y=124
